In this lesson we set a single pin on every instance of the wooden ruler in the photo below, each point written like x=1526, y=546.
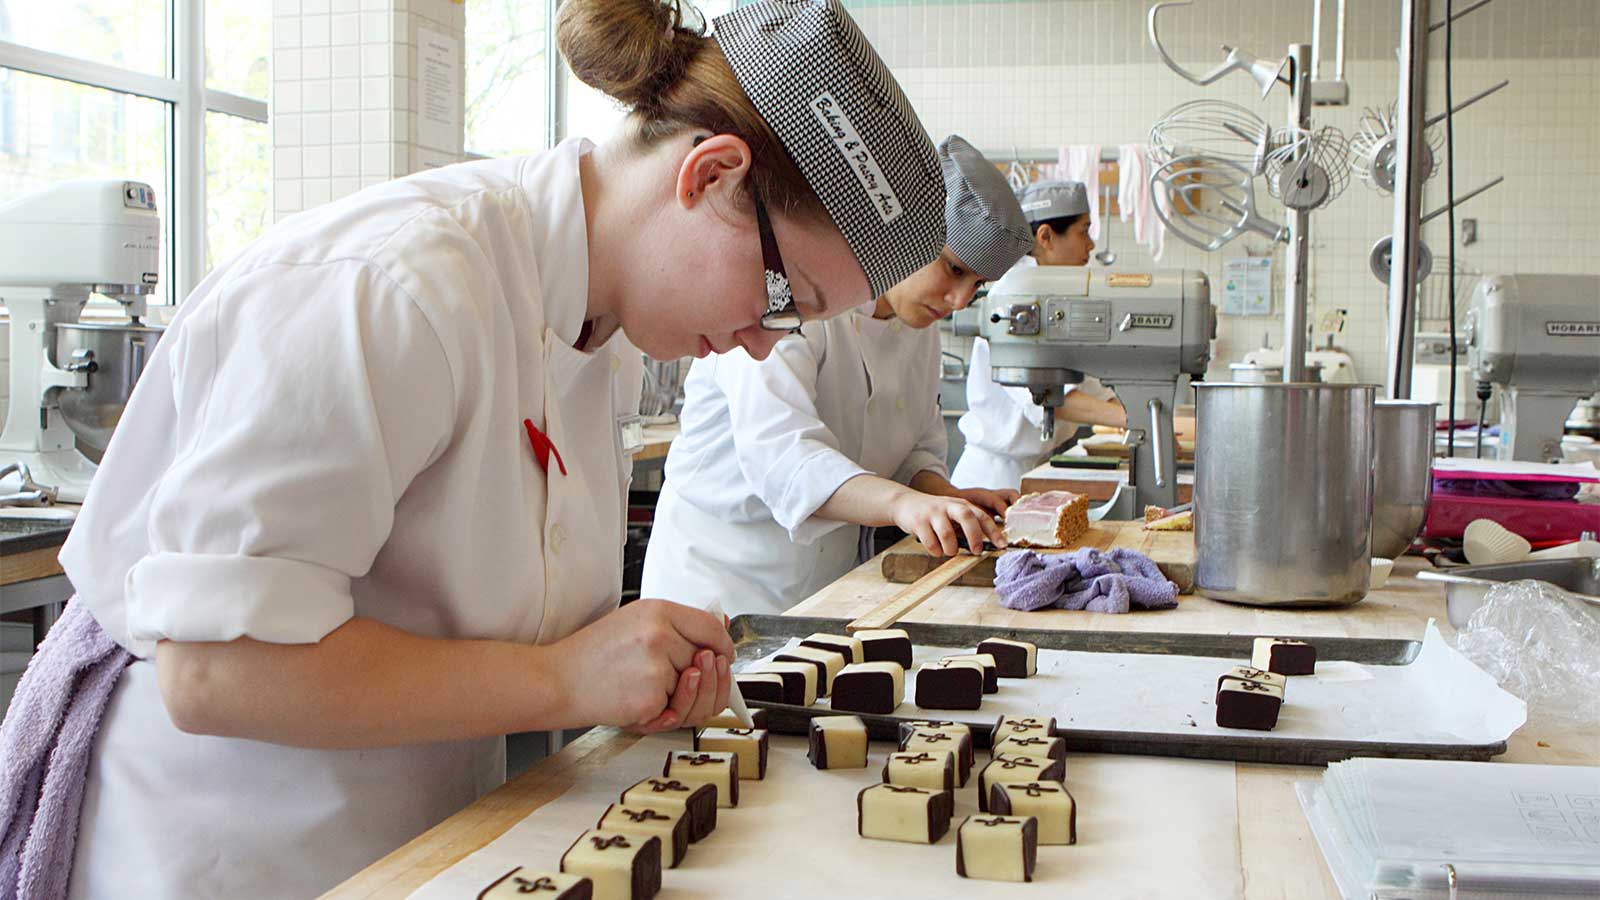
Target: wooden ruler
x=890, y=611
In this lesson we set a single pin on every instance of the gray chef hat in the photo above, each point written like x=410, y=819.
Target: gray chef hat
x=983, y=222
x=1054, y=199
x=816, y=81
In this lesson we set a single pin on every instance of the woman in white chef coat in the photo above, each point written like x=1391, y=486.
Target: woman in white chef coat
x=365, y=511
x=784, y=464
x=1002, y=424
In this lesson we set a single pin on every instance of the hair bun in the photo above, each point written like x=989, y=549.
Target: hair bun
x=631, y=50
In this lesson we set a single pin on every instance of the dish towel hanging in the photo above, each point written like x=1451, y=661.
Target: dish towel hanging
x=1137, y=198
x=1081, y=162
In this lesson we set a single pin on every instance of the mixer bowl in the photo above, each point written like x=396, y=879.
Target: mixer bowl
x=1402, y=454
x=119, y=355
x=1283, y=491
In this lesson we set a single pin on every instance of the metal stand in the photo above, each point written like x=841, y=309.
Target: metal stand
x=1296, y=280
x=1534, y=421
x=1152, y=452
x=1411, y=152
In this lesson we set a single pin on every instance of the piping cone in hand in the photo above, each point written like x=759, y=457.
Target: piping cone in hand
x=1488, y=542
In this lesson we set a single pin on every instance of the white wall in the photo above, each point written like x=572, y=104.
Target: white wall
x=1052, y=72
x=345, y=95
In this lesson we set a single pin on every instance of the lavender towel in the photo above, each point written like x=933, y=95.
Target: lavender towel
x=1088, y=579
x=45, y=745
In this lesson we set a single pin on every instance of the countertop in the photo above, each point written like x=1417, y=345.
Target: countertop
x=22, y=535
x=1278, y=856
x=28, y=547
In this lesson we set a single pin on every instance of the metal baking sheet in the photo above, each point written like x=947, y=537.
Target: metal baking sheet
x=757, y=637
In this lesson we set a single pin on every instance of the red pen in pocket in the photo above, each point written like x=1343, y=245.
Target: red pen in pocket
x=543, y=447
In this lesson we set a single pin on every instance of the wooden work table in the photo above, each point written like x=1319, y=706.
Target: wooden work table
x=1099, y=485
x=657, y=441
x=1278, y=855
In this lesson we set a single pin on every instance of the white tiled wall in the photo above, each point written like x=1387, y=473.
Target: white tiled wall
x=344, y=94
x=1052, y=72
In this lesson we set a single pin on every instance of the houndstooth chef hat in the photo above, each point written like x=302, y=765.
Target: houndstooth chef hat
x=983, y=222
x=813, y=77
x=1046, y=200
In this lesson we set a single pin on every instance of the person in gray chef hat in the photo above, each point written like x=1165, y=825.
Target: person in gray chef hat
x=1001, y=425
x=1058, y=216
x=780, y=459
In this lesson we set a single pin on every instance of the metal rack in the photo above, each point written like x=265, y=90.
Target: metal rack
x=1298, y=156
x=1409, y=259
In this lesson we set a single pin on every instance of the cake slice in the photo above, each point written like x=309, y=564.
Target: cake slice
x=1158, y=519
x=1049, y=519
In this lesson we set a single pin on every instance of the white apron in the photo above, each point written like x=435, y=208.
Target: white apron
x=333, y=427
x=765, y=444
x=1001, y=427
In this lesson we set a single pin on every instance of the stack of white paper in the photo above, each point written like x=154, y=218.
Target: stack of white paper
x=1391, y=827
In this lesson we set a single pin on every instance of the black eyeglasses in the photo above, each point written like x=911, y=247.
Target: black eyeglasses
x=781, y=314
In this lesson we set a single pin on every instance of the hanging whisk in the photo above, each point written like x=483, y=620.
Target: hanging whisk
x=1372, y=148
x=1215, y=129
x=1308, y=169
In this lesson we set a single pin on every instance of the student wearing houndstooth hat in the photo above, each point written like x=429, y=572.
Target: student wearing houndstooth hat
x=843, y=118
x=410, y=498
x=774, y=170
x=784, y=463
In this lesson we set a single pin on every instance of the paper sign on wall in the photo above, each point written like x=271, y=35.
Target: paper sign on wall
x=438, y=91
x=1247, y=286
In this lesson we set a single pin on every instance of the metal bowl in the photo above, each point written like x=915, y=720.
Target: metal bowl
x=1283, y=493
x=1467, y=587
x=114, y=356
x=1402, y=452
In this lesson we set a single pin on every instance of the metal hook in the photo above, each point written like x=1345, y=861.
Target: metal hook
x=1265, y=74
x=1464, y=11
x=1436, y=118
x=1457, y=201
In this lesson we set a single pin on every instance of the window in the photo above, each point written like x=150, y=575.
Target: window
x=238, y=47
x=507, y=77
x=590, y=113
x=129, y=89
x=238, y=173
x=511, y=63
x=238, y=143
x=128, y=34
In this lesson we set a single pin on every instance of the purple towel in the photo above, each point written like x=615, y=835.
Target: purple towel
x=45, y=745
x=1088, y=579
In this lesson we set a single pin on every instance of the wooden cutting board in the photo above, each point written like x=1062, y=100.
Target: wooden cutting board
x=1172, y=551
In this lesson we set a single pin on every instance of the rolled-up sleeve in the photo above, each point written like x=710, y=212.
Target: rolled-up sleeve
x=788, y=455
x=308, y=398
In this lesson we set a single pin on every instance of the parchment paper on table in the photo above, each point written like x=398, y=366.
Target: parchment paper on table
x=1088, y=579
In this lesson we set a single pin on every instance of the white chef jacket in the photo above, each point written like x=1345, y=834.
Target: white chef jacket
x=765, y=444
x=332, y=427
x=1002, y=424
